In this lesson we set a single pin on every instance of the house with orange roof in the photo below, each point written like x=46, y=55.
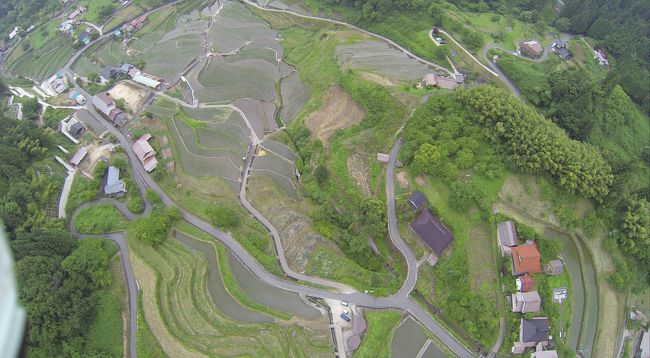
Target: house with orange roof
x=526, y=259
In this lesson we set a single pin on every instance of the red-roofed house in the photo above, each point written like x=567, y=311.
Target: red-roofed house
x=526, y=259
x=525, y=283
x=145, y=152
x=532, y=48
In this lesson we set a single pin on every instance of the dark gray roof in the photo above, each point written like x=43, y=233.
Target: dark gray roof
x=564, y=53
x=76, y=130
x=417, y=200
x=108, y=72
x=432, y=231
x=120, y=118
x=534, y=330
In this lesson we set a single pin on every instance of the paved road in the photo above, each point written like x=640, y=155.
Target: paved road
x=401, y=300
x=120, y=240
x=492, y=69
x=393, y=229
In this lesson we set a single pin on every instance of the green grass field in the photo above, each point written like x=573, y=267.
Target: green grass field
x=377, y=339
x=102, y=218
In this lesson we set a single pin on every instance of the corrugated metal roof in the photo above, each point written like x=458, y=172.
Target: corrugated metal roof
x=150, y=82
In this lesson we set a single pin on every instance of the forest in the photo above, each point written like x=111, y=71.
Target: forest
x=621, y=27
x=58, y=278
x=17, y=12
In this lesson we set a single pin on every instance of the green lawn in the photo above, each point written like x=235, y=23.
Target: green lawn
x=377, y=339
x=100, y=219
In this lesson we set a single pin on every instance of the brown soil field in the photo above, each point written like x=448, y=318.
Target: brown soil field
x=358, y=168
x=378, y=79
x=133, y=96
x=338, y=112
x=291, y=219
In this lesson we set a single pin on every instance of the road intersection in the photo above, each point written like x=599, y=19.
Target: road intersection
x=401, y=300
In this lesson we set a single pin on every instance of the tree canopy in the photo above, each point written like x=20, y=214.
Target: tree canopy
x=537, y=145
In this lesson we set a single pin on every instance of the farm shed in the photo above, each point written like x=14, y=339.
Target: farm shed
x=554, y=268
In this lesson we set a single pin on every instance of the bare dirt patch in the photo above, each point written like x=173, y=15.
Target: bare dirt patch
x=95, y=151
x=359, y=171
x=402, y=179
x=133, y=96
x=378, y=79
x=420, y=180
x=338, y=112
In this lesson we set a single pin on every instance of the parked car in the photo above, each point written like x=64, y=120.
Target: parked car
x=346, y=311
x=346, y=318
x=345, y=303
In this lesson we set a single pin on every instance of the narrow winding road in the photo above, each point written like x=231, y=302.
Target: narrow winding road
x=400, y=300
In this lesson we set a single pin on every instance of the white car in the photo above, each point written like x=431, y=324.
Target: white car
x=346, y=312
x=345, y=303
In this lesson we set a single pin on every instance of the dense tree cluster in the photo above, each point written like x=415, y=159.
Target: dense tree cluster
x=634, y=230
x=622, y=28
x=17, y=12
x=57, y=280
x=536, y=145
x=153, y=229
x=24, y=189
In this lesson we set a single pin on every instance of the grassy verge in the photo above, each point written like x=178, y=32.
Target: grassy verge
x=105, y=333
x=377, y=339
x=102, y=218
x=147, y=345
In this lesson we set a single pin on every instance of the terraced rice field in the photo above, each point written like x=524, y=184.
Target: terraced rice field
x=379, y=57
x=180, y=311
x=42, y=63
x=210, y=147
x=278, y=168
x=294, y=96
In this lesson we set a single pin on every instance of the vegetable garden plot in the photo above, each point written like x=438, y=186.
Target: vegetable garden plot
x=294, y=96
x=380, y=57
